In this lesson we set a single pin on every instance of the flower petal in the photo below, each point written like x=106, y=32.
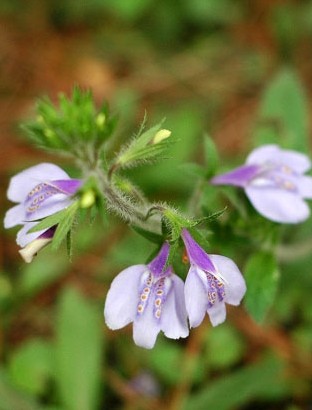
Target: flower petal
x=24, y=238
x=196, y=254
x=278, y=204
x=238, y=177
x=146, y=328
x=122, y=297
x=263, y=154
x=14, y=216
x=304, y=184
x=295, y=160
x=217, y=313
x=196, y=300
x=174, y=316
x=22, y=183
x=235, y=286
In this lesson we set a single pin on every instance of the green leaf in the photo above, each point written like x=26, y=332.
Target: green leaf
x=69, y=244
x=129, y=10
x=150, y=236
x=172, y=355
x=225, y=347
x=12, y=399
x=211, y=217
x=211, y=156
x=143, y=148
x=174, y=247
x=261, y=274
x=193, y=170
x=285, y=107
x=78, y=352
x=31, y=366
x=49, y=221
x=261, y=380
x=64, y=225
x=41, y=273
x=176, y=222
x=76, y=126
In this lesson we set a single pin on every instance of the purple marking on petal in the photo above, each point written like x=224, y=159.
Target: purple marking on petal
x=157, y=265
x=45, y=190
x=196, y=254
x=234, y=286
x=145, y=290
x=216, y=290
x=49, y=233
x=238, y=177
x=25, y=181
x=50, y=205
x=161, y=290
x=66, y=186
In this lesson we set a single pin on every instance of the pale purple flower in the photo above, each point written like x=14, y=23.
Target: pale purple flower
x=152, y=298
x=274, y=182
x=212, y=281
x=39, y=191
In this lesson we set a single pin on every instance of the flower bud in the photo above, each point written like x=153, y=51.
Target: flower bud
x=87, y=199
x=160, y=136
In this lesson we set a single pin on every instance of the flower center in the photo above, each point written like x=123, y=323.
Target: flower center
x=155, y=288
x=146, y=287
x=38, y=195
x=276, y=176
x=216, y=290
